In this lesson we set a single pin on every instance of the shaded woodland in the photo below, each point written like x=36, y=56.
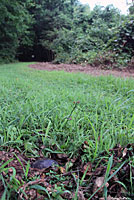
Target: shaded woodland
x=65, y=31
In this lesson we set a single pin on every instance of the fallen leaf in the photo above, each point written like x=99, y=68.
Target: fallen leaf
x=99, y=182
x=62, y=170
x=80, y=195
x=124, y=152
x=62, y=155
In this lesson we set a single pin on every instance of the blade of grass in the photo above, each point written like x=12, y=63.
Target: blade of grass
x=107, y=180
x=83, y=177
x=38, y=187
x=5, y=164
x=110, y=162
x=47, y=129
x=4, y=195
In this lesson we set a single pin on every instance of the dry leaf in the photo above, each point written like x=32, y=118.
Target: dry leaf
x=62, y=170
x=99, y=181
x=124, y=152
x=62, y=156
x=81, y=195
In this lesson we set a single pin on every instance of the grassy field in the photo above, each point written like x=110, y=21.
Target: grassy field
x=64, y=111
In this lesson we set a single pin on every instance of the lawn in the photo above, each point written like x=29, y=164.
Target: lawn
x=70, y=114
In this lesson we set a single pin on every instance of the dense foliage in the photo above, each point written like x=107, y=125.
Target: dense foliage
x=14, y=22
x=122, y=41
x=64, y=31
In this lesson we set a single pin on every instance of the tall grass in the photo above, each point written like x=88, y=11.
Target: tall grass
x=63, y=110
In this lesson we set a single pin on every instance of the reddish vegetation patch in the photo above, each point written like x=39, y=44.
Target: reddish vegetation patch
x=95, y=71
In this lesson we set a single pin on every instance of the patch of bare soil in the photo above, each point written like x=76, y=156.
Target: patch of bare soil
x=88, y=69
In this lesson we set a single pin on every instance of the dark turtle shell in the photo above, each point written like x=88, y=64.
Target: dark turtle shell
x=45, y=163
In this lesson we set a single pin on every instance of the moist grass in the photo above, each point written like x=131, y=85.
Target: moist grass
x=63, y=111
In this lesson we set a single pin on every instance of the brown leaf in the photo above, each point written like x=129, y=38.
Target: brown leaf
x=62, y=156
x=124, y=152
x=62, y=170
x=99, y=182
x=81, y=195
x=73, y=160
x=111, y=198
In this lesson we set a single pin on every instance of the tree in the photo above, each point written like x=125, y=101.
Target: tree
x=90, y=31
x=122, y=43
x=14, y=20
x=60, y=30
x=49, y=18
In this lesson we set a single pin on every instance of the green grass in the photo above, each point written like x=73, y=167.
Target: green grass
x=34, y=102
x=63, y=111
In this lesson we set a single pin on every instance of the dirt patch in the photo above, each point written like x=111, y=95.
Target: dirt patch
x=94, y=71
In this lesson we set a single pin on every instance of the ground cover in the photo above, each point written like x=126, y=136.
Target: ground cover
x=85, y=123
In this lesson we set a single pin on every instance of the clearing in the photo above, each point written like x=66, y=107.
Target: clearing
x=84, y=123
